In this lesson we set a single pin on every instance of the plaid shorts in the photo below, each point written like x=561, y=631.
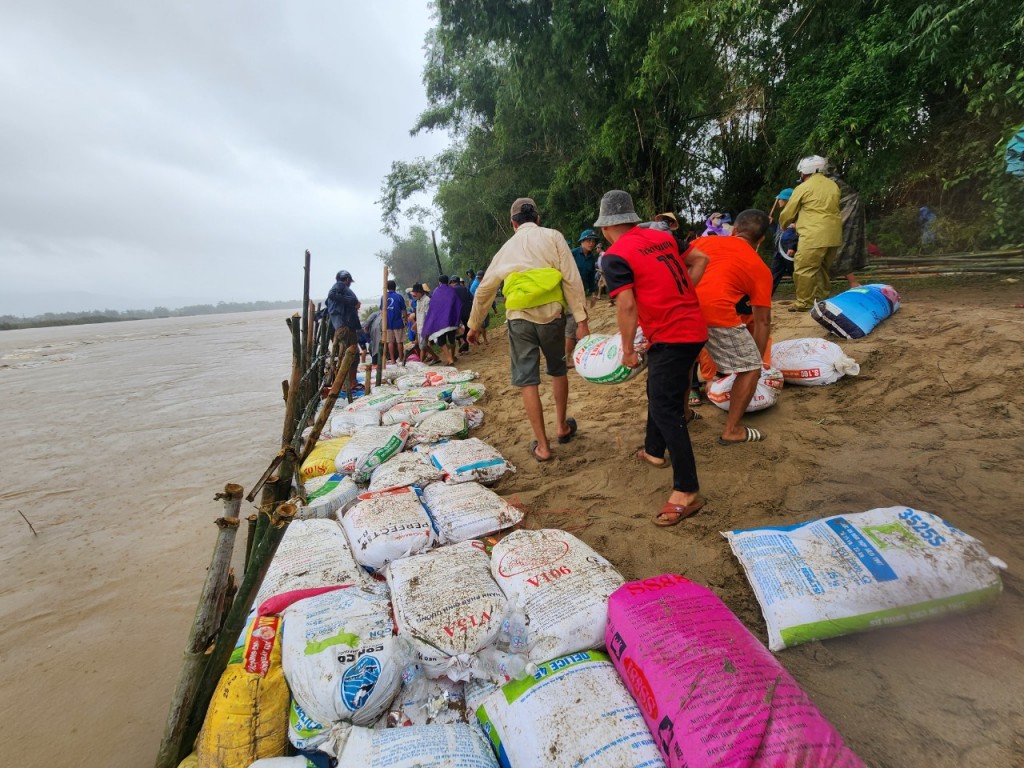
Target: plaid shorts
x=733, y=349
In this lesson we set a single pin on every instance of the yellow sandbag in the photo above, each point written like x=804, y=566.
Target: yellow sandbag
x=248, y=716
x=321, y=459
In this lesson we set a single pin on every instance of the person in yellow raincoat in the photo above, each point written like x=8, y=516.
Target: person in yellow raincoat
x=815, y=208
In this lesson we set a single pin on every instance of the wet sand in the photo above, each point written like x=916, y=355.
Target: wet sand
x=117, y=437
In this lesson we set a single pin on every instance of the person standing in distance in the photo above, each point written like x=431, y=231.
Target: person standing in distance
x=814, y=206
x=539, y=273
x=343, y=309
x=653, y=285
x=397, y=315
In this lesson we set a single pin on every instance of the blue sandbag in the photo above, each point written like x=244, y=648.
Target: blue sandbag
x=853, y=314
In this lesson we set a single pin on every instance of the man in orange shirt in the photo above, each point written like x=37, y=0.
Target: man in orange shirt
x=736, y=285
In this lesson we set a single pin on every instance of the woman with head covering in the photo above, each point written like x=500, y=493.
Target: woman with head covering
x=716, y=225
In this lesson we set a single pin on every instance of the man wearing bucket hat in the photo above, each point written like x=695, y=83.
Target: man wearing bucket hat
x=540, y=277
x=654, y=286
x=814, y=206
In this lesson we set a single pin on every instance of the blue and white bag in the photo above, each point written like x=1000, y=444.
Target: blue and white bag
x=853, y=314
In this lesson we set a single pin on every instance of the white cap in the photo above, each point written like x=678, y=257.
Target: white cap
x=812, y=164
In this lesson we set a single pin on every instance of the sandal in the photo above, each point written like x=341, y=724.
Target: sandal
x=641, y=455
x=533, y=452
x=752, y=436
x=694, y=416
x=567, y=438
x=694, y=400
x=671, y=514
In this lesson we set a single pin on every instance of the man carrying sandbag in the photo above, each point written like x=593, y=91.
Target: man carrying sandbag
x=814, y=206
x=540, y=278
x=736, y=300
x=654, y=285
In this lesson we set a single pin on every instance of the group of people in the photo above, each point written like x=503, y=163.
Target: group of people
x=702, y=302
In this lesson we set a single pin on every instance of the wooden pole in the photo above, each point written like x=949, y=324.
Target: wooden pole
x=250, y=535
x=232, y=498
x=383, y=329
x=205, y=623
x=293, y=387
x=306, y=315
x=332, y=397
x=263, y=553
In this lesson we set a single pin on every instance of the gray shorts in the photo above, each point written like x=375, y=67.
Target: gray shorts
x=733, y=349
x=570, y=326
x=526, y=341
x=396, y=335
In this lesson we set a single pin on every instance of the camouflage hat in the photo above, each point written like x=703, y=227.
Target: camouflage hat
x=616, y=208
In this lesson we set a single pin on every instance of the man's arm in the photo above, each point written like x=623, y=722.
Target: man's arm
x=696, y=262
x=762, y=327
x=788, y=215
x=626, y=314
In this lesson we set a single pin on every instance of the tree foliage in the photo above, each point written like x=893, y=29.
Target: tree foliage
x=411, y=258
x=697, y=105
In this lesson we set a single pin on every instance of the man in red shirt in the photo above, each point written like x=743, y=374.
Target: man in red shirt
x=653, y=285
x=736, y=285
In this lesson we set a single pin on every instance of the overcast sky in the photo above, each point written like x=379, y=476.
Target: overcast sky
x=188, y=152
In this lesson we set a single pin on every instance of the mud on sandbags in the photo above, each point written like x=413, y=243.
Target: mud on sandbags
x=412, y=411
x=312, y=554
x=388, y=525
x=465, y=394
x=425, y=701
x=573, y=711
x=327, y=495
x=711, y=694
x=766, y=394
x=561, y=585
x=469, y=460
x=415, y=746
x=450, y=424
x=849, y=573
x=340, y=657
x=467, y=511
x=448, y=608
x=369, y=448
x=405, y=469
x=812, y=362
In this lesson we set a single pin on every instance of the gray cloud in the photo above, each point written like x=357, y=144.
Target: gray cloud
x=191, y=151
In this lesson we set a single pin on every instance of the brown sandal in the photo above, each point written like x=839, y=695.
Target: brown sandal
x=678, y=512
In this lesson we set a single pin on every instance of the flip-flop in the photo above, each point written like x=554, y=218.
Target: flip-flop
x=679, y=512
x=694, y=399
x=533, y=452
x=563, y=439
x=694, y=416
x=641, y=455
x=752, y=436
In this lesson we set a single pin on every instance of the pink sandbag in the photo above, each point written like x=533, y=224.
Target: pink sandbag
x=711, y=694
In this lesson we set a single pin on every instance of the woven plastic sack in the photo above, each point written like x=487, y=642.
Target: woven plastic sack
x=369, y=448
x=448, y=607
x=403, y=470
x=321, y=459
x=573, y=711
x=443, y=425
x=598, y=358
x=388, y=525
x=561, y=584
x=812, y=362
x=313, y=553
x=468, y=393
x=327, y=495
x=467, y=511
x=711, y=694
x=340, y=657
x=364, y=412
x=412, y=412
x=417, y=746
x=474, y=416
x=470, y=460
x=423, y=701
x=766, y=394
x=856, y=312
x=849, y=573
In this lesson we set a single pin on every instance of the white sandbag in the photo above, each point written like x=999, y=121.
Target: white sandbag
x=417, y=746
x=812, y=362
x=561, y=584
x=448, y=607
x=369, y=448
x=469, y=460
x=598, y=358
x=313, y=553
x=365, y=411
x=766, y=394
x=474, y=416
x=442, y=425
x=467, y=511
x=468, y=393
x=405, y=469
x=327, y=495
x=388, y=525
x=573, y=711
x=340, y=657
x=848, y=573
x=412, y=412
x=303, y=731
x=460, y=377
x=423, y=701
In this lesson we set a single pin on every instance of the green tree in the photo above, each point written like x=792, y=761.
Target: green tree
x=411, y=258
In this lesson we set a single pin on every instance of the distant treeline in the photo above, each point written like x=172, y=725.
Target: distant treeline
x=11, y=322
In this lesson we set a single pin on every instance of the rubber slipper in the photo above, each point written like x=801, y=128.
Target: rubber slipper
x=694, y=416
x=753, y=436
x=694, y=399
x=678, y=512
x=641, y=455
x=563, y=439
x=533, y=452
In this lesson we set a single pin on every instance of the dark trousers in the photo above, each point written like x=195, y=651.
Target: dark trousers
x=668, y=381
x=780, y=268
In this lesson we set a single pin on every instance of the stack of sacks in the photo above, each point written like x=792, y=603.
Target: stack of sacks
x=321, y=460
x=405, y=469
x=364, y=412
x=469, y=460
x=388, y=525
x=369, y=448
x=328, y=495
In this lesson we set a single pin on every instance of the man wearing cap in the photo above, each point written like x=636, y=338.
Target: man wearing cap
x=814, y=206
x=585, y=256
x=343, y=309
x=540, y=277
x=654, y=285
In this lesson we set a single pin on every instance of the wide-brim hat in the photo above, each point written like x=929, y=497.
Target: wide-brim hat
x=616, y=208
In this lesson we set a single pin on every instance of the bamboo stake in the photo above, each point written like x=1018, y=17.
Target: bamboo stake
x=305, y=311
x=291, y=406
x=173, y=746
x=263, y=553
x=250, y=535
x=232, y=498
x=332, y=397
